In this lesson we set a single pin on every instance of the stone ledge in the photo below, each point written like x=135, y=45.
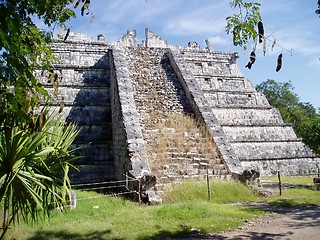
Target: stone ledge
x=266, y=140
x=278, y=158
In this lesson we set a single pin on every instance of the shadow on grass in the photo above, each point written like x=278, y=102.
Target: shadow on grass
x=63, y=235
x=182, y=234
x=290, y=203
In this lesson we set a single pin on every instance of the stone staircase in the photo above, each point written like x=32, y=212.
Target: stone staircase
x=177, y=145
x=255, y=130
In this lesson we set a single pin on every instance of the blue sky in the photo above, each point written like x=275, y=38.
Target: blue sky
x=293, y=23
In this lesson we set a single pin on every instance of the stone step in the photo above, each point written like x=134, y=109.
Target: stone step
x=205, y=55
x=175, y=151
x=85, y=115
x=163, y=181
x=172, y=147
x=194, y=157
x=81, y=95
x=240, y=106
x=259, y=133
x=179, y=142
x=77, y=77
x=272, y=150
x=283, y=159
x=96, y=59
x=93, y=153
x=211, y=84
x=254, y=117
x=276, y=141
x=198, y=160
x=195, y=154
x=94, y=133
x=190, y=133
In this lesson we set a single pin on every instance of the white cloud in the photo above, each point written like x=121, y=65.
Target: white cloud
x=218, y=40
x=191, y=27
x=199, y=21
x=114, y=11
x=134, y=11
x=314, y=63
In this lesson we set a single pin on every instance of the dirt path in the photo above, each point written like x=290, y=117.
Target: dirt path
x=282, y=223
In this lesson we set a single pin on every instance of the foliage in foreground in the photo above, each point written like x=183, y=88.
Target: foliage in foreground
x=101, y=217
x=33, y=168
x=32, y=156
x=242, y=25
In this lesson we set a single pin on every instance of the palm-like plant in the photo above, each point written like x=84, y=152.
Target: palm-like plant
x=33, y=168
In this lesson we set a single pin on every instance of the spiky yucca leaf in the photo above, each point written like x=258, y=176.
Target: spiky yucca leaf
x=33, y=168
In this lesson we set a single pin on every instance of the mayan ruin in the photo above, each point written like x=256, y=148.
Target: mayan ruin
x=154, y=109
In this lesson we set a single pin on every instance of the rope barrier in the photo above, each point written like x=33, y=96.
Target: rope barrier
x=100, y=188
x=106, y=195
x=96, y=186
x=99, y=183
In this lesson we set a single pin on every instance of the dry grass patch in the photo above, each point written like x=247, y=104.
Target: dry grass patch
x=178, y=139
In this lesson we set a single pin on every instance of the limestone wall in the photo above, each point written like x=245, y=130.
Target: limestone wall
x=245, y=116
x=287, y=167
x=154, y=41
x=255, y=130
x=248, y=151
x=259, y=133
x=203, y=110
x=236, y=100
x=128, y=143
x=83, y=96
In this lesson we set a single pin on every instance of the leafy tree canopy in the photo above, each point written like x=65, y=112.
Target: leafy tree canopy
x=318, y=10
x=242, y=24
x=34, y=150
x=23, y=48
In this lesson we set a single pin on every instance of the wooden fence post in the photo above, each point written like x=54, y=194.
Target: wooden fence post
x=139, y=191
x=208, y=185
x=127, y=181
x=280, y=187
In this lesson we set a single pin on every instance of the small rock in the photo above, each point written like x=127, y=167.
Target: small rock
x=195, y=230
x=184, y=225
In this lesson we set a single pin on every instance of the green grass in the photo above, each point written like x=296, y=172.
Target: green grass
x=293, y=180
x=296, y=197
x=221, y=192
x=186, y=207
